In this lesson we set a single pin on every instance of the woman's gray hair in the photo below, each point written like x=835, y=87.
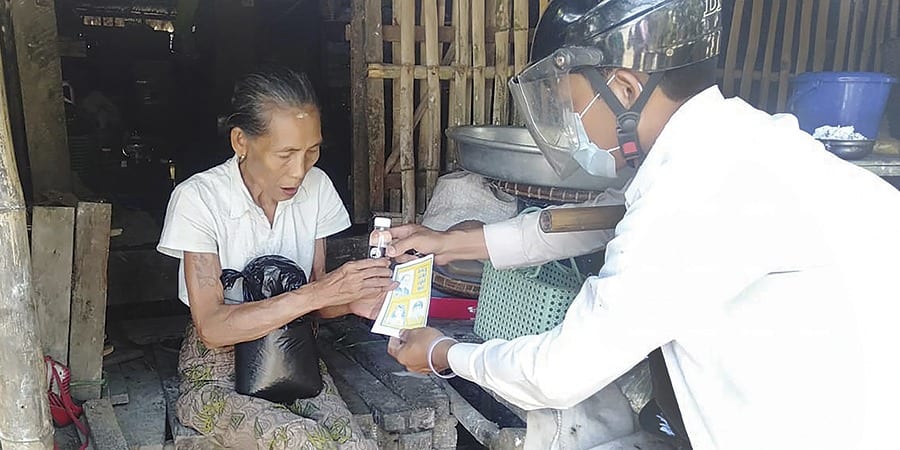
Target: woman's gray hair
x=260, y=91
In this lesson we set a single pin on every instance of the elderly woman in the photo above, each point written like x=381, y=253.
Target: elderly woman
x=268, y=199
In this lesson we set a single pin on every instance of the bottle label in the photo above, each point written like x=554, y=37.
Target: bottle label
x=376, y=252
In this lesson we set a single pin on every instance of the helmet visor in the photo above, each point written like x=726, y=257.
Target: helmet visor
x=543, y=95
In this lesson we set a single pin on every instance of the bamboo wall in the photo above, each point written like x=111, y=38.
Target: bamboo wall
x=421, y=66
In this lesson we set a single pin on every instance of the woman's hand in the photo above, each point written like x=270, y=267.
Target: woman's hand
x=359, y=284
x=411, y=350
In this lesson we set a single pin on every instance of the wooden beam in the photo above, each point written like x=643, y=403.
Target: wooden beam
x=821, y=50
x=459, y=108
x=769, y=56
x=430, y=158
x=88, y=320
x=840, y=49
x=375, y=105
x=37, y=49
x=803, y=51
x=392, y=72
x=52, y=243
x=880, y=33
x=359, y=154
x=786, y=53
x=520, y=44
x=752, y=48
x=853, y=51
x=501, y=63
x=868, y=41
x=403, y=110
x=479, y=60
x=731, y=54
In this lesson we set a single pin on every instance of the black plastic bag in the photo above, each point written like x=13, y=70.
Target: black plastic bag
x=284, y=365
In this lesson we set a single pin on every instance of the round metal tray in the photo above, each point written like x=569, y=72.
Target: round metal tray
x=510, y=154
x=849, y=150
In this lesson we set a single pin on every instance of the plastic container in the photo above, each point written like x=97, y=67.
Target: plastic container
x=380, y=238
x=840, y=99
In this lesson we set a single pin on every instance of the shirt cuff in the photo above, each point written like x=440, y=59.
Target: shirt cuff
x=458, y=357
x=504, y=243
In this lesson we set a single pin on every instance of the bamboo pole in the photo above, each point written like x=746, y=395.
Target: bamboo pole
x=731, y=54
x=786, y=53
x=840, y=49
x=880, y=36
x=478, y=62
x=392, y=71
x=769, y=56
x=360, y=152
x=24, y=410
x=501, y=63
x=821, y=50
x=404, y=109
x=803, y=51
x=375, y=105
x=459, y=98
x=431, y=160
x=871, y=10
x=420, y=116
x=853, y=51
x=520, y=43
x=752, y=48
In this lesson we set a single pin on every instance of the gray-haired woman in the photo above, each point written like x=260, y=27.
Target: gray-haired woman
x=268, y=199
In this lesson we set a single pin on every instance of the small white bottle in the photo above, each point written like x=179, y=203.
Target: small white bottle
x=380, y=238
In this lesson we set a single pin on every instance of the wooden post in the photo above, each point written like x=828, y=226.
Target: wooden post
x=752, y=49
x=478, y=62
x=459, y=99
x=501, y=63
x=89, y=298
x=52, y=241
x=375, y=105
x=871, y=10
x=431, y=157
x=24, y=411
x=520, y=43
x=840, y=49
x=34, y=26
x=786, y=52
x=359, y=154
x=403, y=117
x=769, y=56
x=731, y=53
x=806, y=19
x=853, y=51
x=880, y=36
x=895, y=18
x=821, y=50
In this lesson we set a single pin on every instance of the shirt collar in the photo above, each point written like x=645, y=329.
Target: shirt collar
x=239, y=195
x=692, y=114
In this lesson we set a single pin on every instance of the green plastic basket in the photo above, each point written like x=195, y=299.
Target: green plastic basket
x=521, y=302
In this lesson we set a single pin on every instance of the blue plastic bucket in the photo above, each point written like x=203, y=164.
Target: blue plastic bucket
x=840, y=99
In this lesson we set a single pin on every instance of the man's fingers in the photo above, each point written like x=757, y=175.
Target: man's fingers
x=401, y=246
x=404, y=231
x=404, y=258
x=368, y=263
x=376, y=272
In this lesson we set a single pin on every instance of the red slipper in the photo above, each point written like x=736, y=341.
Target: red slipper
x=62, y=407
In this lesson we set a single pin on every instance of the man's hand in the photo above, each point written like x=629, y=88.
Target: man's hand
x=446, y=246
x=368, y=308
x=411, y=350
x=363, y=281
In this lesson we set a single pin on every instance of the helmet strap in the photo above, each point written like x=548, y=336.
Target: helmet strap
x=626, y=119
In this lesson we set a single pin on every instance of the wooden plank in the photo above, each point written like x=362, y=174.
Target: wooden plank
x=359, y=154
x=786, y=53
x=520, y=44
x=752, y=48
x=375, y=105
x=404, y=109
x=804, y=49
x=431, y=159
x=105, y=431
x=52, y=243
x=868, y=49
x=821, y=50
x=143, y=418
x=479, y=60
x=421, y=118
x=88, y=319
x=459, y=91
x=853, y=53
x=501, y=63
x=732, y=52
x=880, y=33
x=37, y=50
x=895, y=18
x=840, y=49
x=769, y=56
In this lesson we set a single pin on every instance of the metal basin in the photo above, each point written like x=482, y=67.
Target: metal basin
x=510, y=154
x=849, y=150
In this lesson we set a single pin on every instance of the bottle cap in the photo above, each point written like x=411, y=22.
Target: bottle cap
x=382, y=222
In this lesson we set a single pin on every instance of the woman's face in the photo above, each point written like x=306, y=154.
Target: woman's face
x=278, y=160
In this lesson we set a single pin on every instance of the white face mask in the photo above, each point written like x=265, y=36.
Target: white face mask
x=593, y=159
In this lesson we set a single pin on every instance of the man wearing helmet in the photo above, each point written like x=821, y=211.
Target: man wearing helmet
x=755, y=259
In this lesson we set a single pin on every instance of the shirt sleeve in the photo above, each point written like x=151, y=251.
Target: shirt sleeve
x=333, y=217
x=654, y=284
x=519, y=242
x=189, y=225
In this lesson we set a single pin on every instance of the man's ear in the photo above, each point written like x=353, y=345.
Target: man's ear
x=627, y=86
